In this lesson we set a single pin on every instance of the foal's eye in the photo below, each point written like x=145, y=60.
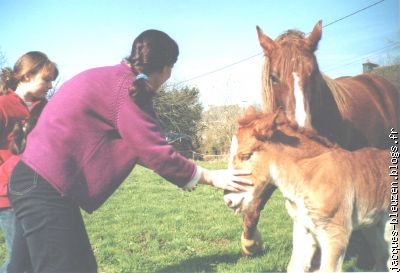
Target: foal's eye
x=274, y=79
x=244, y=157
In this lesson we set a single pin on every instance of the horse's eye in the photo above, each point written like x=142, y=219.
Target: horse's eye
x=274, y=79
x=244, y=157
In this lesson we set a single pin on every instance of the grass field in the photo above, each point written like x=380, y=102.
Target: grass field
x=149, y=225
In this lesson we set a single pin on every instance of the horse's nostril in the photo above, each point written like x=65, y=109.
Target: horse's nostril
x=229, y=203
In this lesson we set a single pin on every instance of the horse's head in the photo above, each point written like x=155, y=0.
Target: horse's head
x=255, y=129
x=289, y=71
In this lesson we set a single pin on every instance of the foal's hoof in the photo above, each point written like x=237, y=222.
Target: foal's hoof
x=253, y=246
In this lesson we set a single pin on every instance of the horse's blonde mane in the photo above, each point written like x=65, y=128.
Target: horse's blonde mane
x=291, y=36
x=340, y=94
x=266, y=88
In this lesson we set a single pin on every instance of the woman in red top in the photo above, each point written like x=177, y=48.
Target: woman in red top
x=22, y=97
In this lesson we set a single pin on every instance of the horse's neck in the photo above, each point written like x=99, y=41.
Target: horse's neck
x=322, y=94
x=328, y=103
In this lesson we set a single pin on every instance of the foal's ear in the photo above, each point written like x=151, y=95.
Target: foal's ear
x=315, y=36
x=266, y=43
x=265, y=127
x=250, y=110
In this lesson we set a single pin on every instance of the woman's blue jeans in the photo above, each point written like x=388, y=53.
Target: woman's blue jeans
x=52, y=226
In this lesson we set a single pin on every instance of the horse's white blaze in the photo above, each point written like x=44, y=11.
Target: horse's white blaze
x=232, y=152
x=300, y=111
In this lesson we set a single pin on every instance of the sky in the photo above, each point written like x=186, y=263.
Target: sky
x=211, y=34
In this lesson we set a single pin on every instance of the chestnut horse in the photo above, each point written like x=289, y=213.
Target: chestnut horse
x=328, y=191
x=354, y=112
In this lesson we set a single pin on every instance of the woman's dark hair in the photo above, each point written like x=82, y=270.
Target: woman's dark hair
x=29, y=64
x=151, y=51
x=22, y=129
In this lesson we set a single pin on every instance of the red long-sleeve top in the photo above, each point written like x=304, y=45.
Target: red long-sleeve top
x=12, y=110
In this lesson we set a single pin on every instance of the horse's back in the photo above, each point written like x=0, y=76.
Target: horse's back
x=373, y=103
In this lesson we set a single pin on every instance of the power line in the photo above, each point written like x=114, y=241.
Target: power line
x=351, y=14
x=219, y=69
x=260, y=53
x=365, y=56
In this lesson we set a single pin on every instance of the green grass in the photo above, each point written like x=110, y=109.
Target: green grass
x=149, y=225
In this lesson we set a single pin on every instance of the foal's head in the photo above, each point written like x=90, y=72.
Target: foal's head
x=261, y=141
x=255, y=130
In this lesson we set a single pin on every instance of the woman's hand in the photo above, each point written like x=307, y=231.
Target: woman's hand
x=231, y=180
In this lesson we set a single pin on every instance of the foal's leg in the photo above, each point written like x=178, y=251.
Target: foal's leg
x=333, y=241
x=251, y=241
x=304, y=247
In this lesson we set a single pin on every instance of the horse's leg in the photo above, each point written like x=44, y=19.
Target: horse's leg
x=304, y=247
x=251, y=240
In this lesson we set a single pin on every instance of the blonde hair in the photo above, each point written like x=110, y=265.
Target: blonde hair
x=266, y=88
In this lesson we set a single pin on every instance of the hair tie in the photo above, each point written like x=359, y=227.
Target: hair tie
x=142, y=76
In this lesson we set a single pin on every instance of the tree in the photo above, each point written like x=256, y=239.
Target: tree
x=390, y=69
x=3, y=60
x=179, y=110
x=219, y=125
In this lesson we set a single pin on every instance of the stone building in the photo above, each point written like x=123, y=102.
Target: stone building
x=390, y=72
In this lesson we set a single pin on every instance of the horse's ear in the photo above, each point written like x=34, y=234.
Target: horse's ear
x=315, y=36
x=266, y=43
x=250, y=110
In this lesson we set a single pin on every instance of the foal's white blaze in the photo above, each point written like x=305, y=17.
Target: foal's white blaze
x=238, y=201
x=300, y=111
x=232, y=152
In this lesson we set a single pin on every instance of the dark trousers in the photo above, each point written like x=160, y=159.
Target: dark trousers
x=19, y=257
x=51, y=225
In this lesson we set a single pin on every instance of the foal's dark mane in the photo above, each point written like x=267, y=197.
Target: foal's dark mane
x=314, y=136
x=283, y=125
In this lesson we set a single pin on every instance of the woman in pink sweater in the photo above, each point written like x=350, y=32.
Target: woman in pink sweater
x=92, y=133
